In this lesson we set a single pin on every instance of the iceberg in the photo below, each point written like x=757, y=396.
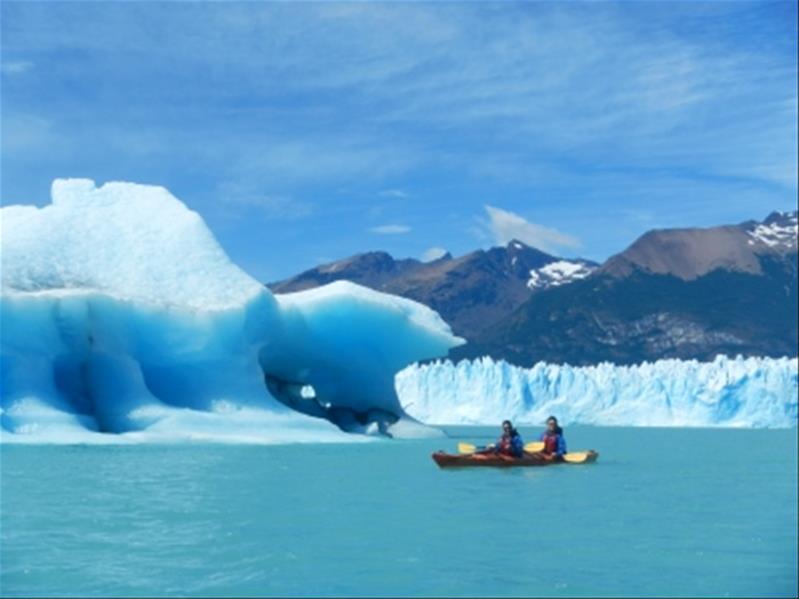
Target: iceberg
x=123, y=318
x=730, y=392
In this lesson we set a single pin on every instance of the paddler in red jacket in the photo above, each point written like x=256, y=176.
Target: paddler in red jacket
x=510, y=443
x=554, y=443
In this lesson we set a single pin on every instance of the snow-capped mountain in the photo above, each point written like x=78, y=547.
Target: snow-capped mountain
x=692, y=253
x=778, y=231
x=674, y=293
x=683, y=293
x=471, y=292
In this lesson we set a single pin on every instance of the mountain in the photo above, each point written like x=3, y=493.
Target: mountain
x=472, y=292
x=676, y=293
x=691, y=253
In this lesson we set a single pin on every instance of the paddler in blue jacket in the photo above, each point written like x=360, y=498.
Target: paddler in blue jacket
x=554, y=443
x=510, y=443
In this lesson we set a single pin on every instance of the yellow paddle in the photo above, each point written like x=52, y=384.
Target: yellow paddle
x=531, y=447
x=576, y=457
x=573, y=457
x=467, y=448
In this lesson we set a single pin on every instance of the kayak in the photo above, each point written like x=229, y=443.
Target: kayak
x=449, y=460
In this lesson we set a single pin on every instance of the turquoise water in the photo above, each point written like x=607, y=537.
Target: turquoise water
x=664, y=512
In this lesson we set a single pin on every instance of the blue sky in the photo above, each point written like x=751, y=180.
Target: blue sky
x=307, y=132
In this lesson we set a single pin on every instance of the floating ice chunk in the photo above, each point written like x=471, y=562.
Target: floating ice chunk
x=122, y=315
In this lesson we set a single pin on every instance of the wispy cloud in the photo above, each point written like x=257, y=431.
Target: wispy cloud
x=308, y=158
x=506, y=226
x=640, y=217
x=236, y=195
x=15, y=67
x=390, y=229
x=600, y=106
x=433, y=253
x=393, y=193
x=619, y=87
x=279, y=207
x=23, y=132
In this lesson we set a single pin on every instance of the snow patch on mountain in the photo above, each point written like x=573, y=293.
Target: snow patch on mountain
x=780, y=231
x=558, y=273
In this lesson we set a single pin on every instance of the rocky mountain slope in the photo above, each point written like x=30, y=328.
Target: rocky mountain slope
x=680, y=293
x=684, y=293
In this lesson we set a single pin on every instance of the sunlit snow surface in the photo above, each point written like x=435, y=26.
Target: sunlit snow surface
x=775, y=234
x=741, y=392
x=558, y=273
x=122, y=314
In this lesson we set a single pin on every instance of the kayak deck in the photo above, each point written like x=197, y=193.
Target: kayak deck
x=448, y=460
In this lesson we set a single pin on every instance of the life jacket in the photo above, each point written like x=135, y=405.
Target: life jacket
x=551, y=443
x=505, y=444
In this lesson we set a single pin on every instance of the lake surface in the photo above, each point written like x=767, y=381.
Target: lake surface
x=665, y=512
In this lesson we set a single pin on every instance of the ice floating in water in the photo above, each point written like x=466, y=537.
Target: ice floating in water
x=751, y=392
x=122, y=314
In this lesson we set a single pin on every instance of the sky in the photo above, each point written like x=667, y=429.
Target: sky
x=307, y=132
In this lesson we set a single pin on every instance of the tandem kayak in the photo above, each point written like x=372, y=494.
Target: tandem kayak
x=449, y=460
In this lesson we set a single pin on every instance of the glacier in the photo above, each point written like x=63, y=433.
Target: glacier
x=726, y=392
x=123, y=318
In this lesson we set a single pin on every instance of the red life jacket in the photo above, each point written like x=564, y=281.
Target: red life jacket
x=550, y=443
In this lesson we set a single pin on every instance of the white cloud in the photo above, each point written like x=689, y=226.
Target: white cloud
x=506, y=226
x=277, y=207
x=16, y=67
x=390, y=229
x=549, y=85
x=433, y=253
x=27, y=132
x=313, y=158
x=393, y=193
x=282, y=207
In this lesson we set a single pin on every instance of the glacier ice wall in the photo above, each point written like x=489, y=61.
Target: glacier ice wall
x=751, y=392
x=121, y=313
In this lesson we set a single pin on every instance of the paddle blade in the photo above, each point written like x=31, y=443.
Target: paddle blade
x=576, y=457
x=466, y=448
x=534, y=446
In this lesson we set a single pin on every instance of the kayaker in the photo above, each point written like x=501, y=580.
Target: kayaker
x=510, y=443
x=554, y=442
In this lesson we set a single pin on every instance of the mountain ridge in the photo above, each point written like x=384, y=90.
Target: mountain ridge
x=471, y=292
x=683, y=292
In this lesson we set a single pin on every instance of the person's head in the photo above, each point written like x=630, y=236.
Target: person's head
x=507, y=427
x=552, y=425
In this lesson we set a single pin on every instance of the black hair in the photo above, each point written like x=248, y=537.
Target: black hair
x=513, y=431
x=558, y=430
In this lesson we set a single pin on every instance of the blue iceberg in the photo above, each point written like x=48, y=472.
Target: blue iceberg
x=123, y=318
